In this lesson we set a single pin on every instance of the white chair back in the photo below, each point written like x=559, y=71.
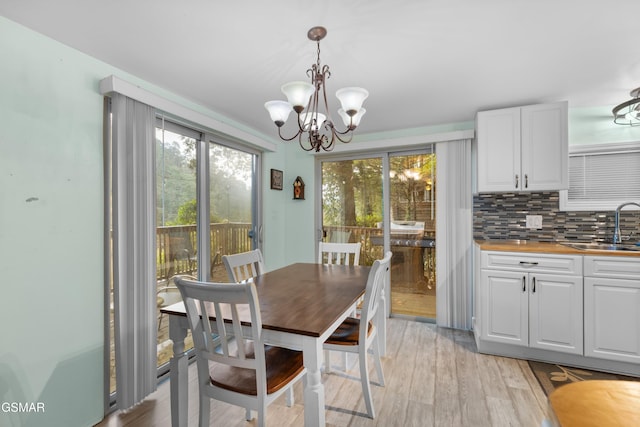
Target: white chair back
x=339, y=253
x=372, y=294
x=234, y=365
x=203, y=301
x=244, y=266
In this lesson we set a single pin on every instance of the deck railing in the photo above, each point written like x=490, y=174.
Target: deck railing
x=176, y=246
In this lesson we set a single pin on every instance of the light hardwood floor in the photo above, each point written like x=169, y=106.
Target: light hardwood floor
x=434, y=377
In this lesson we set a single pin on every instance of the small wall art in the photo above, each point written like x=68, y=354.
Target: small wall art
x=276, y=179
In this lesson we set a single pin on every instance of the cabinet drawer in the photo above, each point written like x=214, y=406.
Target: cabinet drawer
x=616, y=267
x=537, y=263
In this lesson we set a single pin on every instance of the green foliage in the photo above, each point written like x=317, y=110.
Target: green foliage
x=230, y=181
x=187, y=214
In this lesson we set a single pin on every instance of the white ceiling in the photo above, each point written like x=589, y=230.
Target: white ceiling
x=423, y=62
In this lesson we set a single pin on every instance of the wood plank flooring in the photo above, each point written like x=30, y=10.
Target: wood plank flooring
x=434, y=377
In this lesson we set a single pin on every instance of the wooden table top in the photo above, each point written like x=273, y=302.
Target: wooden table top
x=598, y=403
x=303, y=298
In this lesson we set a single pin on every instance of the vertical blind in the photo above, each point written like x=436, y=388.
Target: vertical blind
x=134, y=254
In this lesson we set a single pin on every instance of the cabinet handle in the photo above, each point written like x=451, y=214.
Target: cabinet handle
x=533, y=288
x=529, y=263
x=517, y=180
x=524, y=284
x=526, y=180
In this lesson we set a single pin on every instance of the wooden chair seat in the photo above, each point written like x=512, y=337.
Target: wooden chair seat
x=348, y=332
x=282, y=366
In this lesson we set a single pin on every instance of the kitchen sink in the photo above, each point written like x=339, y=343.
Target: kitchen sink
x=601, y=246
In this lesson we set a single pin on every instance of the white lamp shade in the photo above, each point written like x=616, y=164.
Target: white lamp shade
x=309, y=116
x=298, y=93
x=356, y=118
x=278, y=110
x=351, y=98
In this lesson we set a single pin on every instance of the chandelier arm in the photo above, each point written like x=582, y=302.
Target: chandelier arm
x=329, y=146
x=302, y=145
x=346, y=140
x=287, y=139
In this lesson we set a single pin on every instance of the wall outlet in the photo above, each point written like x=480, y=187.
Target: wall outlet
x=534, y=221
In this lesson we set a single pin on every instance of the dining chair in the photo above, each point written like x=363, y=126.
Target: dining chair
x=359, y=335
x=339, y=253
x=241, y=370
x=244, y=266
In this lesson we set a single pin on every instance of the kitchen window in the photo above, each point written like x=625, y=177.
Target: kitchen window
x=601, y=177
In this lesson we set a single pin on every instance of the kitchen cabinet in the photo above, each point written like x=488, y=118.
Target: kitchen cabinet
x=612, y=308
x=523, y=148
x=532, y=300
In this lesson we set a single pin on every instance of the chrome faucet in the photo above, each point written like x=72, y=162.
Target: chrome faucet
x=617, y=237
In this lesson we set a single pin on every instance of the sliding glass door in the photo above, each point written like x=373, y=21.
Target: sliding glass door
x=207, y=205
x=412, y=234
x=352, y=205
x=353, y=209
x=232, y=206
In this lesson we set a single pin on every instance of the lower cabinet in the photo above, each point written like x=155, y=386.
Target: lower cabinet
x=532, y=300
x=612, y=308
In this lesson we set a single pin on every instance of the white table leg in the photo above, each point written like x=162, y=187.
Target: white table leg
x=314, y=389
x=179, y=373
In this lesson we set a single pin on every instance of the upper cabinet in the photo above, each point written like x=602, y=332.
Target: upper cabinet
x=523, y=148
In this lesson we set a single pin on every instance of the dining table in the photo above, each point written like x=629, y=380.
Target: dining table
x=301, y=305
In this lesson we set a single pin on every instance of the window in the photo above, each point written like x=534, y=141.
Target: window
x=601, y=177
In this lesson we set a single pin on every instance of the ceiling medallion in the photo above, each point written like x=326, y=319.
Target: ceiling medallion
x=316, y=129
x=628, y=113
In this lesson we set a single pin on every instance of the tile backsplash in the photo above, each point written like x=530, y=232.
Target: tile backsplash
x=503, y=216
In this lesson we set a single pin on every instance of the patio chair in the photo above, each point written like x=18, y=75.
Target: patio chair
x=166, y=296
x=359, y=335
x=241, y=371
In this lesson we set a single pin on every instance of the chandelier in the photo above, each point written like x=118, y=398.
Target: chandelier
x=628, y=113
x=316, y=129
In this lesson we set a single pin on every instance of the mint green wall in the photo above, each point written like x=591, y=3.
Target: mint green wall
x=50, y=230
x=594, y=125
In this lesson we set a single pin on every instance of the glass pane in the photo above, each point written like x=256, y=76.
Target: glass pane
x=176, y=237
x=352, y=206
x=412, y=235
x=231, y=209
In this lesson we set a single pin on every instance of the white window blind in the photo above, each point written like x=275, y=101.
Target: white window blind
x=601, y=177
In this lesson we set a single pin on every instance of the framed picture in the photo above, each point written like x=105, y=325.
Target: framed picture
x=276, y=179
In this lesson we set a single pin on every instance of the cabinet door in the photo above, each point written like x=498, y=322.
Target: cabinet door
x=612, y=319
x=555, y=313
x=498, y=136
x=505, y=307
x=544, y=147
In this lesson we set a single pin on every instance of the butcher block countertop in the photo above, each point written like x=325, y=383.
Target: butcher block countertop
x=546, y=248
